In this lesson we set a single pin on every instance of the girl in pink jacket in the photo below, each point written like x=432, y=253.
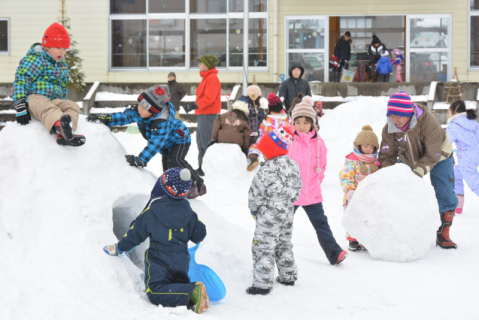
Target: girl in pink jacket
x=309, y=151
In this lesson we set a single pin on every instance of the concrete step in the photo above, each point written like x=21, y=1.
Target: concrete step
x=5, y=104
x=123, y=104
x=7, y=117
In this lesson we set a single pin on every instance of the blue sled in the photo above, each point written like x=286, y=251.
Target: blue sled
x=198, y=272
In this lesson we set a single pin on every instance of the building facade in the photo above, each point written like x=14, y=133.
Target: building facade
x=132, y=41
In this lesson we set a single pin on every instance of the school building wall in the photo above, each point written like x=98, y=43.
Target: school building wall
x=89, y=22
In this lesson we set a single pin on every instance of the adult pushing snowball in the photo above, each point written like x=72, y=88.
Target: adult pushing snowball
x=413, y=136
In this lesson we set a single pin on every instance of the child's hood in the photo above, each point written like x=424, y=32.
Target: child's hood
x=383, y=59
x=465, y=123
x=351, y=157
x=306, y=136
x=38, y=50
x=173, y=214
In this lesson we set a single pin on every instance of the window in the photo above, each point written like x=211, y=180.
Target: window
x=474, y=34
x=4, y=36
x=305, y=43
x=170, y=34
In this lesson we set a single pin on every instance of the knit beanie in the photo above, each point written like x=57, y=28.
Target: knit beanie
x=154, y=99
x=209, y=60
x=56, y=36
x=366, y=136
x=384, y=53
x=400, y=104
x=274, y=103
x=171, y=74
x=297, y=100
x=176, y=182
x=241, y=104
x=254, y=92
x=375, y=40
x=304, y=109
x=275, y=143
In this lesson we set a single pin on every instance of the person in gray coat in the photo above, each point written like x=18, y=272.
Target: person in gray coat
x=295, y=84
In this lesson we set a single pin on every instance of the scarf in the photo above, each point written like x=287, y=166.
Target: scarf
x=365, y=157
x=404, y=129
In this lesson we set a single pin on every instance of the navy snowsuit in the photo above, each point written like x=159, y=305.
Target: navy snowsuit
x=169, y=224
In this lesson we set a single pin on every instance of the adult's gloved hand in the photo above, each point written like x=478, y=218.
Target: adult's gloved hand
x=113, y=250
x=190, y=107
x=212, y=142
x=23, y=115
x=135, y=161
x=100, y=118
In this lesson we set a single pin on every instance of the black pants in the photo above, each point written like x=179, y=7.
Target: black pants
x=175, y=157
x=384, y=77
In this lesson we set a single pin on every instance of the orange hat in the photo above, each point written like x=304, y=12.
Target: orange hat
x=56, y=36
x=275, y=143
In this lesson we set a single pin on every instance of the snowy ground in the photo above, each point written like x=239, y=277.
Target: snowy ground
x=51, y=273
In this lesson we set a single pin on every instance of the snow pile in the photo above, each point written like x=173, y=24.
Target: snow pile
x=58, y=207
x=394, y=214
x=227, y=180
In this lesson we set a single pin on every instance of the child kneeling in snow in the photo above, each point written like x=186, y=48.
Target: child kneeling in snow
x=275, y=118
x=170, y=223
x=359, y=164
x=309, y=151
x=155, y=116
x=275, y=187
x=233, y=127
x=40, y=87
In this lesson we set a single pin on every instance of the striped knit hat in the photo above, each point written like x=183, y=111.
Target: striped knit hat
x=304, y=109
x=154, y=99
x=275, y=143
x=400, y=104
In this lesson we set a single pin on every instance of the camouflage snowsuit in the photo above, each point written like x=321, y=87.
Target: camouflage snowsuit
x=272, y=193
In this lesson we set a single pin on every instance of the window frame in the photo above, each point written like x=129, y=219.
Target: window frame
x=7, y=52
x=470, y=14
x=187, y=16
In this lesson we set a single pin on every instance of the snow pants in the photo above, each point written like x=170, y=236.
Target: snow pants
x=466, y=169
x=442, y=179
x=272, y=242
x=175, y=157
x=50, y=111
x=326, y=239
x=204, y=131
x=159, y=286
x=384, y=77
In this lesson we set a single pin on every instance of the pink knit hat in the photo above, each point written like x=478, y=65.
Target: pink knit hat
x=305, y=109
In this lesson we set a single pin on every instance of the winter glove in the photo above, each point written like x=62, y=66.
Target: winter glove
x=100, y=118
x=350, y=195
x=190, y=107
x=253, y=213
x=212, y=142
x=135, y=161
x=23, y=115
x=113, y=250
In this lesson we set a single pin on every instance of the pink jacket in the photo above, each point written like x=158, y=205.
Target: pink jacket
x=309, y=151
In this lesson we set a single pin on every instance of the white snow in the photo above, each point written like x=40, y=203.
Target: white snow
x=56, y=213
x=414, y=98
x=92, y=89
x=445, y=106
x=110, y=96
x=432, y=91
x=392, y=232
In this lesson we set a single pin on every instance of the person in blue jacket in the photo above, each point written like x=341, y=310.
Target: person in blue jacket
x=170, y=223
x=155, y=116
x=384, y=66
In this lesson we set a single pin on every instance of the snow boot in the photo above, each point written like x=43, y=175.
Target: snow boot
x=286, y=283
x=77, y=141
x=63, y=127
x=254, y=161
x=255, y=291
x=354, y=246
x=200, y=172
x=342, y=256
x=442, y=238
x=195, y=193
x=199, y=301
x=460, y=198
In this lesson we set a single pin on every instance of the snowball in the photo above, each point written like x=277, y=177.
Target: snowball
x=394, y=214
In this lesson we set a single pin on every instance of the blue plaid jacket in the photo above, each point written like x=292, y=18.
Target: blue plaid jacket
x=39, y=73
x=161, y=134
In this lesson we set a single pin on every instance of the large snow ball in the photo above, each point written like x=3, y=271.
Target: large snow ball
x=394, y=214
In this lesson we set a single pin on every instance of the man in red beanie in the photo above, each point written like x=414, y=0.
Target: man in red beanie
x=270, y=199
x=40, y=89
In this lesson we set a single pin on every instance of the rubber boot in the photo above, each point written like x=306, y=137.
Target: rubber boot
x=254, y=161
x=460, y=198
x=442, y=238
x=65, y=133
x=255, y=291
x=199, y=300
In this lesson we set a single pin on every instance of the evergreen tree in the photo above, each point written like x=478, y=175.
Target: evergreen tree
x=72, y=57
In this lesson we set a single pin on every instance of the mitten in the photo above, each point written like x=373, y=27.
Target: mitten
x=253, y=213
x=135, y=161
x=113, y=250
x=23, y=115
x=212, y=142
x=350, y=195
x=190, y=107
x=100, y=118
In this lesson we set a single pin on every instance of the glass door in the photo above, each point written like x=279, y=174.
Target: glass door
x=428, y=48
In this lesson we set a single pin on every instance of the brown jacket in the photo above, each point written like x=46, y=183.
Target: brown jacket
x=421, y=147
x=230, y=128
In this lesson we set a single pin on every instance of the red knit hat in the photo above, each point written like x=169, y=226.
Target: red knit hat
x=56, y=36
x=275, y=143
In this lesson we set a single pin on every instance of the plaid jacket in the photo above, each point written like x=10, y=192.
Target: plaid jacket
x=39, y=73
x=161, y=134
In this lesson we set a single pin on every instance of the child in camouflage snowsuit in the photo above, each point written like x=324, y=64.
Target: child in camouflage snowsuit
x=40, y=89
x=270, y=198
